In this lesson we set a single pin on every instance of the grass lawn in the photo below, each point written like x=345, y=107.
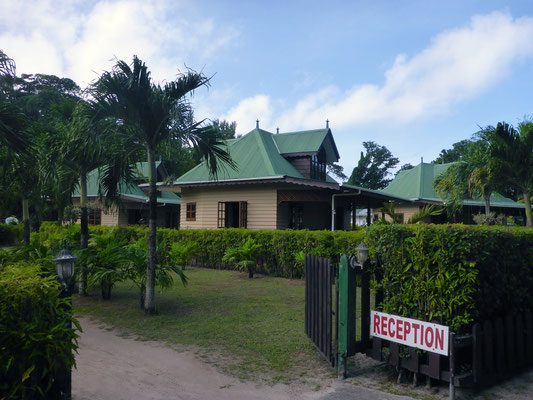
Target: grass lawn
x=251, y=328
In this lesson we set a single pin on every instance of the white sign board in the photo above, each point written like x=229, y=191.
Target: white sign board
x=411, y=332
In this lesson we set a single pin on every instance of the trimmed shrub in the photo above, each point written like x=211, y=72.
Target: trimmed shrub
x=35, y=338
x=453, y=274
x=10, y=234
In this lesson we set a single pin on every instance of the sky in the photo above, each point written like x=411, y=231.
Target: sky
x=414, y=76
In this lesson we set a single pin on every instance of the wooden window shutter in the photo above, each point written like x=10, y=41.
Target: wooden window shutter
x=243, y=214
x=221, y=214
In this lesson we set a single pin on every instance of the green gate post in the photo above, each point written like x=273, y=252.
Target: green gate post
x=346, y=313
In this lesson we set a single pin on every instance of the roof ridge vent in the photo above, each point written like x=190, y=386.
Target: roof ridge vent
x=327, y=124
x=257, y=124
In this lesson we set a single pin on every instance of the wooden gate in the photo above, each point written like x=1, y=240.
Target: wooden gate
x=319, y=280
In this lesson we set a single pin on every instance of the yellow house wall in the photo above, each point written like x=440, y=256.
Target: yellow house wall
x=407, y=210
x=262, y=205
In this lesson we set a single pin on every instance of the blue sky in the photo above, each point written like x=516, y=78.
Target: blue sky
x=415, y=76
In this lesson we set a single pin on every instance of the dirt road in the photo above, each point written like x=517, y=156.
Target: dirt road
x=112, y=367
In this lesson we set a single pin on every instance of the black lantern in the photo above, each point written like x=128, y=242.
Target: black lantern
x=65, y=263
x=362, y=253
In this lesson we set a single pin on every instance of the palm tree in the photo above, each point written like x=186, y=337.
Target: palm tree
x=511, y=152
x=152, y=114
x=470, y=177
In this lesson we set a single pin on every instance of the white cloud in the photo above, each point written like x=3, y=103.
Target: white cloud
x=249, y=110
x=79, y=39
x=458, y=65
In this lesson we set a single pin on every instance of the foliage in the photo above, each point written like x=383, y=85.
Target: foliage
x=36, y=252
x=182, y=253
x=151, y=114
x=397, y=218
x=404, y=167
x=135, y=267
x=453, y=274
x=10, y=234
x=511, y=154
x=373, y=167
x=336, y=170
x=472, y=177
x=491, y=219
x=36, y=340
x=456, y=153
x=243, y=257
x=104, y=259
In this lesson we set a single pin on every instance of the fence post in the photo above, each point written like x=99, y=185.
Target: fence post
x=452, y=369
x=342, y=328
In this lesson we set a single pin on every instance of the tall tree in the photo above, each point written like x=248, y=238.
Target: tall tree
x=152, y=113
x=404, y=167
x=456, y=153
x=373, y=167
x=511, y=152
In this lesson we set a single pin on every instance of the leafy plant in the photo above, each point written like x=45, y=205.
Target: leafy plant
x=104, y=259
x=36, y=340
x=243, y=257
x=135, y=267
x=182, y=253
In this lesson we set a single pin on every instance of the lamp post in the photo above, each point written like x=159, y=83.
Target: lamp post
x=65, y=264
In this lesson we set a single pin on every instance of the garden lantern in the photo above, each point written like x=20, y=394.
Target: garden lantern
x=65, y=263
x=362, y=253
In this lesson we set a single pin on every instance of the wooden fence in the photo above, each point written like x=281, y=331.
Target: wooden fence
x=319, y=279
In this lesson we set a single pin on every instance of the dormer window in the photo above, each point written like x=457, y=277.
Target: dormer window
x=318, y=166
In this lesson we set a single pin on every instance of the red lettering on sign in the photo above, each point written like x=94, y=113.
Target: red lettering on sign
x=399, y=329
x=392, y=322
x=416, y=327
x=384, y=326
x=429, y=338
x=439, y=339
x=407, y=327
x=376, y=324
x=422, y=334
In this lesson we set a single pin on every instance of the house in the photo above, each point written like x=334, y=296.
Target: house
x=133, y=208
x=280, y=182
x=416, y=184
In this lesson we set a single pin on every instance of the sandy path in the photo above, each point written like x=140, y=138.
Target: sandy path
x=114, y=367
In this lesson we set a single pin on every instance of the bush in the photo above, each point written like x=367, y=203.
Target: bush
x=453, y=274
x=10, y=234
x=35, y=340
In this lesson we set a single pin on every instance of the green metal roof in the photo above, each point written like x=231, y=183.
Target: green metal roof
x=417, y=183
x=131, y=190
x=308, y=142
x=258, y=155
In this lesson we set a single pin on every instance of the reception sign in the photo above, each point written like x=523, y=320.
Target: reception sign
x=410, y=332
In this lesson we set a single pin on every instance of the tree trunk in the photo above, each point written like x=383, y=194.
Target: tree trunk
x=487, y=206
x=149, y=300
x=26, y=218
x=141, y=303
x=84, y=236
x=529, y=213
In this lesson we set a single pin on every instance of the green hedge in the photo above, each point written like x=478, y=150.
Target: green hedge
x=453, y=274
x=11, y=234
x=34, y=338
x=277, y=253
x=278, y=247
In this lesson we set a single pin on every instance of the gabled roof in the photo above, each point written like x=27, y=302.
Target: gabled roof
x=417, y=184
x=258, y=155
x=308, y=142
